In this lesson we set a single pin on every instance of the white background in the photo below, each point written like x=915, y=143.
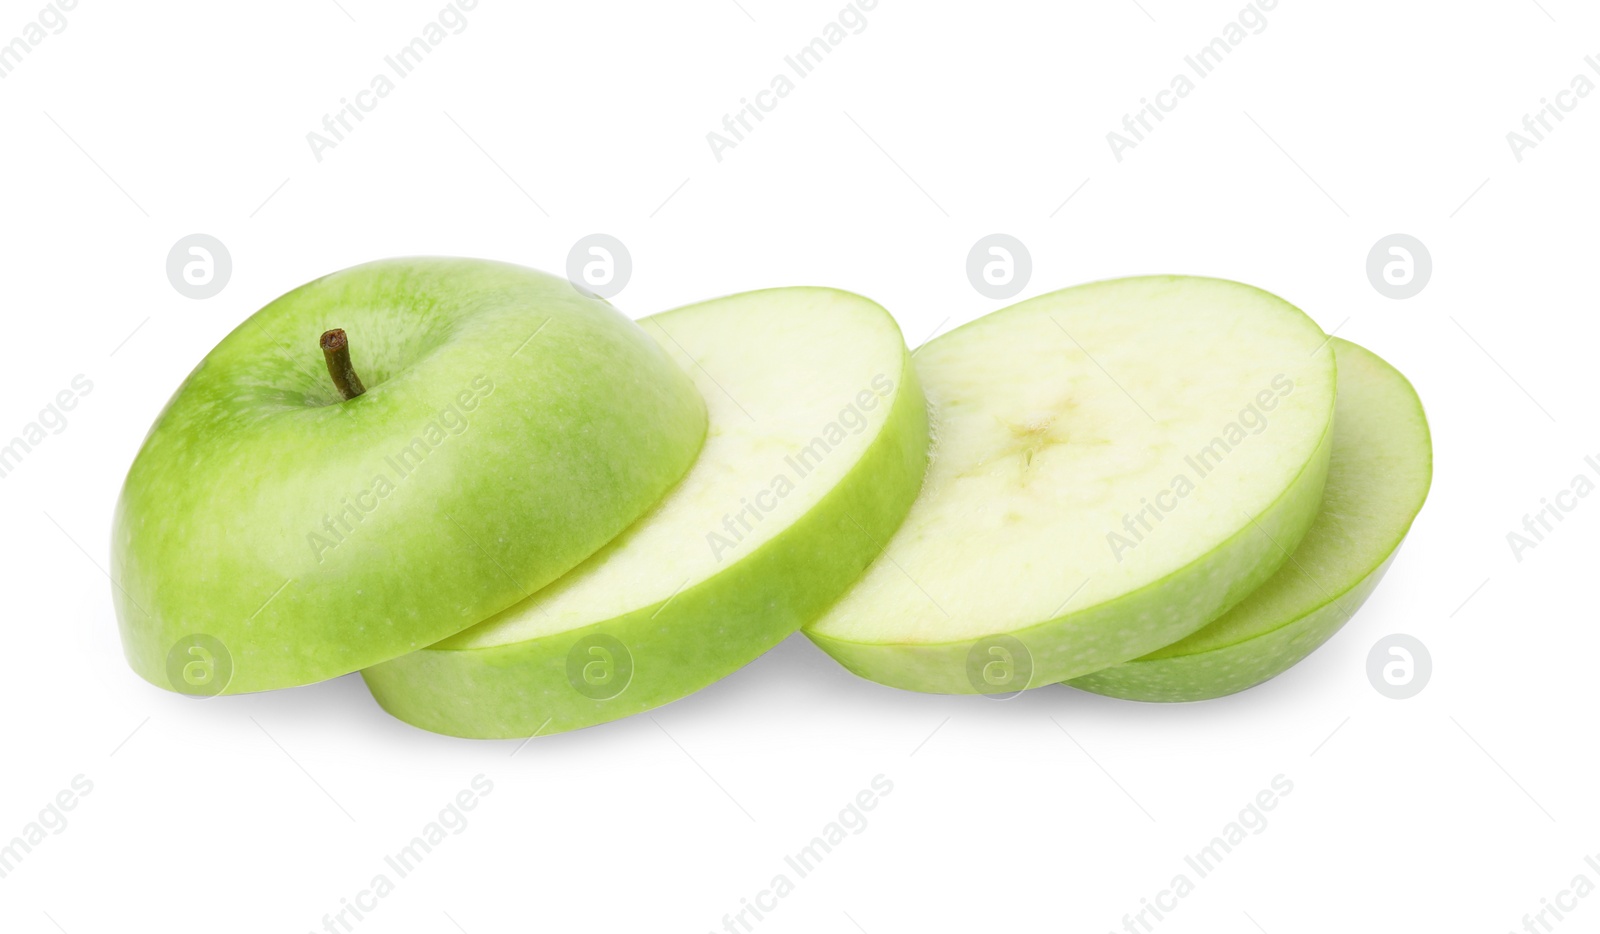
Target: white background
x=1460, y=809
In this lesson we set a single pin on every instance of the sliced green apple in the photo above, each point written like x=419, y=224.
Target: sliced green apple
x=275, y=530
x=1114, y=465
x=817, y=445
x=1378, y=478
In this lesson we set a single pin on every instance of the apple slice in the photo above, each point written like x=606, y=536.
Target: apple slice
x=1114, y=465
x=1378, y=477
x=817, y=445
x=299, y=512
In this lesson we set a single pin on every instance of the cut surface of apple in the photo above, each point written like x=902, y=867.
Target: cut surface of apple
x=816, y=448
x=273, y=531
x=1378, y=478
x=1113, y=466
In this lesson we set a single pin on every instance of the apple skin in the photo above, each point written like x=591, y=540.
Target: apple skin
x=1378, y=480
x=705, y=632
x=1206, y=675
x=253, y=515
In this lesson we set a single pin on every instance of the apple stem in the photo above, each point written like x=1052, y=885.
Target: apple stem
x=336, y=348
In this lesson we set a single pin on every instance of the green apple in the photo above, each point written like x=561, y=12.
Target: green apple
x=1378, y=477
x=816, y=448
x=1114, y=465
x=273, y=532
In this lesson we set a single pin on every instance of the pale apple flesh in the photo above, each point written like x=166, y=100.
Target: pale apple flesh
x=1113, y=466
x=510, y=426
x=1378, y=479
x=817, y=446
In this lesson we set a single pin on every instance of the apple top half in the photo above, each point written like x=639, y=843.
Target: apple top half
x=272, y=532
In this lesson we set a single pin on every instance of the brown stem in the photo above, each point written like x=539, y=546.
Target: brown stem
x=336, y=348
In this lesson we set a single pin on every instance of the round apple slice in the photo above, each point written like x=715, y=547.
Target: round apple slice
x=381, y=458
x=1378, y=478
x=1114, y=465
x=817, y=445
